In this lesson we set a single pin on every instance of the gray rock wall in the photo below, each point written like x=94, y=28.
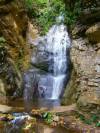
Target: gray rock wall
x=84, y=85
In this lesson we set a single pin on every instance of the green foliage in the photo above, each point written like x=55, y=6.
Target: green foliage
x=33, y=7
x=98, y=124
x=48, y=117
x=45, y=12
x=49, y=13
x=29, y=3
x=93, y=119
x=29, y=7
x=82, y=117
x=2, y=41
x=71, y=15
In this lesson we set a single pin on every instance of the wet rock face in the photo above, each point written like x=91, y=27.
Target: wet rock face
x=13, y=26
x=51, y=58
x=84, y=87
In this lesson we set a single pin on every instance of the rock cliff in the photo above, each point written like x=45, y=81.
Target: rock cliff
x=14, y=52
x=84, y=85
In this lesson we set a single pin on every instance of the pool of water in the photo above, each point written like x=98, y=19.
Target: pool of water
x=26, y=106
x=37, y=128
x=29, y=104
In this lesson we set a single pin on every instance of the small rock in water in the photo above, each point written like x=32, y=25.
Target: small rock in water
x=56, y=118
x=6, y=117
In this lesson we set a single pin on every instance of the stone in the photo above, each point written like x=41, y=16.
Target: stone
x=32, y=33
x=84, y=84
x=62, y=109
x=92, y=14
x=97, y=68
x=93, y=33
x=56, y=118
x=80, y=44
x=5, y=109
x=97, y=47
x=13, y=28
x=29, y=83
x=89, y=100
x=78, y=30
x=85, y=64
x=2, y=88
x=93, y=84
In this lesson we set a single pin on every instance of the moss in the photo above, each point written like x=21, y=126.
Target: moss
x=15, y=55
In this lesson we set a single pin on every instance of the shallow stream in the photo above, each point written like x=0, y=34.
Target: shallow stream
x=23, y=122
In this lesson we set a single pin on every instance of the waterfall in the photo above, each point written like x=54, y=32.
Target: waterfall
x=51, y=63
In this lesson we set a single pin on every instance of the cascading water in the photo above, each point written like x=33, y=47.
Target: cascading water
x=51, y=63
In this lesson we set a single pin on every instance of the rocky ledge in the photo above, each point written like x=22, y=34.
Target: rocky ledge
x=84, y=85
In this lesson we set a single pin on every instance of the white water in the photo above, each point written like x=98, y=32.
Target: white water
x=52, y=51
x=56, y=44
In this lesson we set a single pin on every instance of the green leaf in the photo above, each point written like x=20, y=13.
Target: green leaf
x=89, y=122
x=45, y=115
x=2, y=40
x=82, y=117
x=94, y=118
x=98, y=124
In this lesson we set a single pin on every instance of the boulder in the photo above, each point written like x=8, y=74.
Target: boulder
x=93, y=33
x=5, y=109
x=2, y=88
x=89, y=100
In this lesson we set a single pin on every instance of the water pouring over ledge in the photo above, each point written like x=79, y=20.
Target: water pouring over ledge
x=50, y=62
